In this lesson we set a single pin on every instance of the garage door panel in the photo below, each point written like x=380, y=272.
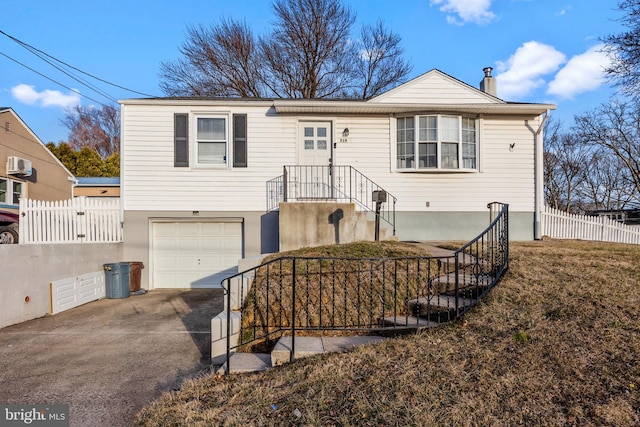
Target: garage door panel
x=231, y=229
x=194, y=254
x=189, y=229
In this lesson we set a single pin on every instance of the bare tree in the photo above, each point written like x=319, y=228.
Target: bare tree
x=96, y=128
x=380, y=65
x=606, y=186
x=217, y=61
x=624, y=50
x=614, y=128
x=309, y=53
x=565, y=167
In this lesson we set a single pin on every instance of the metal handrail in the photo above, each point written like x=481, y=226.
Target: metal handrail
x=368, y=295
x=335, y=183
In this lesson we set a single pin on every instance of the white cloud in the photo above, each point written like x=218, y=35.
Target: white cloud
x=476, y=11
x=524, y=70
x=29, y=95
x=583, y=73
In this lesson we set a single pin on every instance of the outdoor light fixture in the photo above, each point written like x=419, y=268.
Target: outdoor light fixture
x=345, y=132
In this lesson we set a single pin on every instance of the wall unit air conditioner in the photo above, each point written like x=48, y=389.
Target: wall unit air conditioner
x=18, y=166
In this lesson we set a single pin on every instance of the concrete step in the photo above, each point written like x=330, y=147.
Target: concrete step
x=305, y=347
x=246, y=362
x=408, y=322
x=447, y=282
x=438, y=304
x=310, y=346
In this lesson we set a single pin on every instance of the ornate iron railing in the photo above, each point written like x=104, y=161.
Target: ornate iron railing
x=335, y=183
x=288, y=295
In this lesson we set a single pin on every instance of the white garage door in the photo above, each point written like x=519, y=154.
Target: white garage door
x=194, y=254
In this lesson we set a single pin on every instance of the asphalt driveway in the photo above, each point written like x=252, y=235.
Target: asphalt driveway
x=109, y=358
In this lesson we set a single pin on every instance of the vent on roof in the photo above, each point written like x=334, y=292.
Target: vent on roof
x=488, y=84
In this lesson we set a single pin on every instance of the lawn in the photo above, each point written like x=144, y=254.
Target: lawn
x=556, y=342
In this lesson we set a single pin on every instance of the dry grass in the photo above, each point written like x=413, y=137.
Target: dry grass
x=555, y=343
x=347, y=286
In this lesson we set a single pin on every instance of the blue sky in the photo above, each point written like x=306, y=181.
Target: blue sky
x=541, y=50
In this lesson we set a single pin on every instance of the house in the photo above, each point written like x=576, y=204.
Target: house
x=29, y=168
x=630, y=216
x=97, y=187
x=208, y=181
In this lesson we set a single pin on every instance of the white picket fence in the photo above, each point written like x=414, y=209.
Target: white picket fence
x=561, y=225
x=78, y=220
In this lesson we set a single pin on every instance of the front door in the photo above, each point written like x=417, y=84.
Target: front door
x=314, y=177
x=315, y=143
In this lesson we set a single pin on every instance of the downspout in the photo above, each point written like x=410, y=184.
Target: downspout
x=539, y=179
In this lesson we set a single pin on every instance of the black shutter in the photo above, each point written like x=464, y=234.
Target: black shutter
x=181, y=140
x=240, y=140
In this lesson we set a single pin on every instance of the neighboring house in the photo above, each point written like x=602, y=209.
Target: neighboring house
x=97, y=187
x=28, y=169
x=625, y=216
x=195, y=171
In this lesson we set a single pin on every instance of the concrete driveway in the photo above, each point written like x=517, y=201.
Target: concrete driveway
x=109, y=358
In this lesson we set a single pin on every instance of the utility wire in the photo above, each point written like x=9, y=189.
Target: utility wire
x=73, y=76
x=54, y=81
x=71, y=66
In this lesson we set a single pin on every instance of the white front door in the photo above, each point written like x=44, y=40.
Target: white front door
x=194, y=254
x=312, y=179
x=314, y=146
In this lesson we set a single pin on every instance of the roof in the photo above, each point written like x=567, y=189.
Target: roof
x=36, y=139
x=94, y=181
x=350, y=107
x=486, y=103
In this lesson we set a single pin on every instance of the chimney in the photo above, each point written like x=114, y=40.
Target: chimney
x=488, y=84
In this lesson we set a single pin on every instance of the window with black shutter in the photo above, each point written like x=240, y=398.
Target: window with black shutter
x=181, y=140
x=240, y=140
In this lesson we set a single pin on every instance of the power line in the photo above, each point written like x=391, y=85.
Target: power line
x=49, y=78
x=30, y=48
x=73, y=76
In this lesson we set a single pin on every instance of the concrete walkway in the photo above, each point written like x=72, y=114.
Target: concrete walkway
x=305, y=347
x=109, y=358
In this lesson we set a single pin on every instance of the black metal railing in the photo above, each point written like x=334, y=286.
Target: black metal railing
x=335, y=183
x=289, y=295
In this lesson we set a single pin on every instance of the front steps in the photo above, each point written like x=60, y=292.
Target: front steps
x=305, y=347
x=438, y=306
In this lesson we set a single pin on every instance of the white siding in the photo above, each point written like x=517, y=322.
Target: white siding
x=151, y=182
x=506, y=176
x=435, y=87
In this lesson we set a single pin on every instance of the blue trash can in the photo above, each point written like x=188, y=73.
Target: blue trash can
x=116, y=279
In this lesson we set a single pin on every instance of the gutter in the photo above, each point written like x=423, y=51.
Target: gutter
x=539, y=179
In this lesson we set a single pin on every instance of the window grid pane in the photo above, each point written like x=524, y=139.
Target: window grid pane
x=468, y=143
x=17, y=192
x=450, y=129
x=428, y=155
x=211, y=129
x=211, y=138
x=449, y=155
x=405, y=143
x=212, y=153
x=3, y=190
x=449, y=139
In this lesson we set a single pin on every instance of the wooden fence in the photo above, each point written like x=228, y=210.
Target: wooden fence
x=78, y=220
x=561, y=225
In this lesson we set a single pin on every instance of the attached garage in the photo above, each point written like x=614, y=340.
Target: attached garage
x=194, y=254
